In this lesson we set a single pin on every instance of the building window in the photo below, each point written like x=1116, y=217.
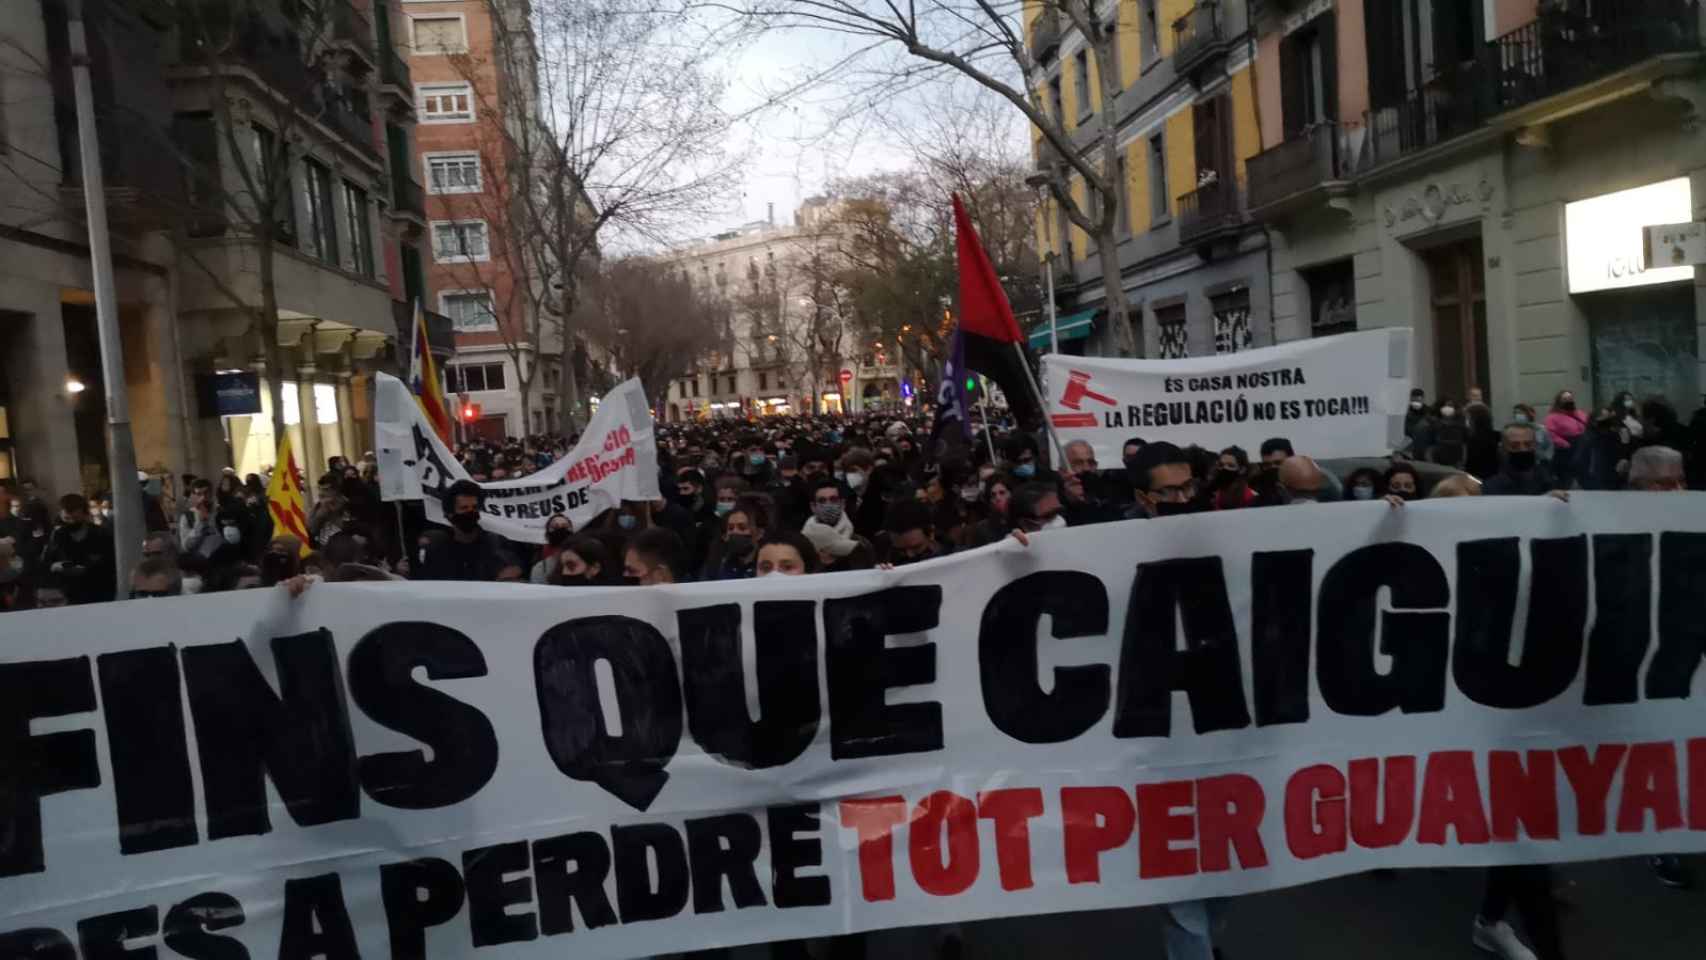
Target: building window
x=1123, y=187
x=453, y=172
x=1081, y=81
x=445, y=102
x=1170, y=329
x=360, y=232
x=470, y=311
x=763, y=380
x=459, y=241
x=1160, y=209
x=695, y=383
x=437, y=35
x=1332, y=299
x=1055, y=101
x=731, y=383
x=1151, y=32
x=473, y=377
x=322, y=223
x=1231, y=321
x=284, y=202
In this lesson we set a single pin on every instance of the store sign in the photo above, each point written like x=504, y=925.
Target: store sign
x=229, y=394
x=1676, y=244
x=1605, y=236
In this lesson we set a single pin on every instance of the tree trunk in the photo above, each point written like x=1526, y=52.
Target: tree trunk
x=266, y=323
x=1119, y=315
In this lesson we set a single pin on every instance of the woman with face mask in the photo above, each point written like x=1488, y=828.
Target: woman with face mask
x=1403, y=481
x=580, y=562
x=787, y=555
x=1365, y=483
x=558, y=530
x=734, y=556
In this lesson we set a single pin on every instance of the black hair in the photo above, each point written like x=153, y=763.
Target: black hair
x=1026, y=498
x=1398, y=468
x=74, y=503
x=591, y=551
x=1237, y=453
x=1277, y=445
x=802, y=546
x=463, y=488
x=904, y=515
x=1159, y=454
x=825, y=480
x=661, y=546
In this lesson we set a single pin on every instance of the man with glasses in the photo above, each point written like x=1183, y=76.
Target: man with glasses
x=1166, y=487
x=828, y=509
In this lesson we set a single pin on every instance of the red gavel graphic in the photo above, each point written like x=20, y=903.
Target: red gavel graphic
x=1078, y=388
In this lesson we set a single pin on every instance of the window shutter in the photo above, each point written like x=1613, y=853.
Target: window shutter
x=1327, y=31
x=1384, y=26
x=1293, y=109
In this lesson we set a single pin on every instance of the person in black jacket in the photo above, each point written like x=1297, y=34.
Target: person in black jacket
x=80, y=554
x=1521, y=473
x=469, y=553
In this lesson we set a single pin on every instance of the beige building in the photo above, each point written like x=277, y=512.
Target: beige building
x=792, y=346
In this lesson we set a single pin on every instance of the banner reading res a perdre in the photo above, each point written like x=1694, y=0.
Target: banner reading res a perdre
x=508, y=771
x=1340, y=396
x=616, y=460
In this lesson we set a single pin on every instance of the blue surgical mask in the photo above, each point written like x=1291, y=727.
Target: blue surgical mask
x=1362, y=491
x=756, y=459
x=627, y=521
x=1025, y=471
x=724, y=509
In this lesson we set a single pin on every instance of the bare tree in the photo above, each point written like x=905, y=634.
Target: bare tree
x=650, y=320
x=624, y=137
x=931, y=41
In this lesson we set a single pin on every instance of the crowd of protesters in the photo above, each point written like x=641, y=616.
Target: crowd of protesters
x=790, y=496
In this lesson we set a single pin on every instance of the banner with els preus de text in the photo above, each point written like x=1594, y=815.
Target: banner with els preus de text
x=616, y=460
x=1332, y=397
x=1114, y=716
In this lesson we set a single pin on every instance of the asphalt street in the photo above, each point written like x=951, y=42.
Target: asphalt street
x=1611, y=910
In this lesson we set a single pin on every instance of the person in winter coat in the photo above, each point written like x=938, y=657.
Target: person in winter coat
x=1565, y=424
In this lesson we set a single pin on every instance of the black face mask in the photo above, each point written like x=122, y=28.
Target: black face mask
x=1568, y=406
x=739, y=544
x=557, y=536
x=631, y=581
x=465, y=522
x=1167, y=508
x=275, y=567
x=1520, y=461
x=579, y=580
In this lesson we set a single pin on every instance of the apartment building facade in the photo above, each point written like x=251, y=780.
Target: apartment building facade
x=765, y=273
x=189, y=111
x=468, y=100
x=1480, y=171
x=1193, y=267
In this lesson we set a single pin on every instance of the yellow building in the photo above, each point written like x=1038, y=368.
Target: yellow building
x=1193, y=265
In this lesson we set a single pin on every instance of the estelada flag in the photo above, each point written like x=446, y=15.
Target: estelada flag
x=424, y=382
x=993, y=343
x=284, y=499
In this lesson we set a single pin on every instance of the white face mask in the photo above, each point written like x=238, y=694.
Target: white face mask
x=1448, y=411
x=422, y=555
x=855, y=479
x=1057, y=523
x=192, y=585
x=232, y=535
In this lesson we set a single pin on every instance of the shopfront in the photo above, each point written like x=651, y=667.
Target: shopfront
x=1641, y=318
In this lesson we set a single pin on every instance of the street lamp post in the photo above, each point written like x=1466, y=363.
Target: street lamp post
x=121, y=448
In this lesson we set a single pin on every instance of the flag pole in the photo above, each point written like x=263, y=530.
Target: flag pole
x=1036, y=391
x=988, y=429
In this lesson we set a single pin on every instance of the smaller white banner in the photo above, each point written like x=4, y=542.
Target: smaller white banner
x=1331, y=397
x=616, y=460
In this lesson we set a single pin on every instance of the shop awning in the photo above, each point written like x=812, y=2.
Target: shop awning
x=1073, y=326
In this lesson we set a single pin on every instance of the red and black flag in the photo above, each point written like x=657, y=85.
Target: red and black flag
x=993, y=343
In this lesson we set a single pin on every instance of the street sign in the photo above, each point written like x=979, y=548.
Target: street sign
x=846, y=375
x=1675, y=245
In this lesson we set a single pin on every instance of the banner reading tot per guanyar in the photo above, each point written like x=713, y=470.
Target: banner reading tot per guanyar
x=1116, y=716
x=616, y=460
x=1332, y=397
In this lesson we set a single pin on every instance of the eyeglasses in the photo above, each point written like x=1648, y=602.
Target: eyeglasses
x=1176, y=493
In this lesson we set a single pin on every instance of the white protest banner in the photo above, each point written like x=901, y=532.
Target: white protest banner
x=616, y=460
x=1115, y=716
x=1340, y=396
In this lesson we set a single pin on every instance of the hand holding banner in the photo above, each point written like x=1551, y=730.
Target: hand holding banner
x=616, y=460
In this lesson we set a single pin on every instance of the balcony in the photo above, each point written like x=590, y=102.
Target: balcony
x=1045, y=34
x=1556, y=66
x=1211, y=212
x=1299, y=172
x=144, y=185
x=1199, y=37
x=441, y=332
x=351, y=114
x=351, y=29
x=395, y=84
x=408, y=200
